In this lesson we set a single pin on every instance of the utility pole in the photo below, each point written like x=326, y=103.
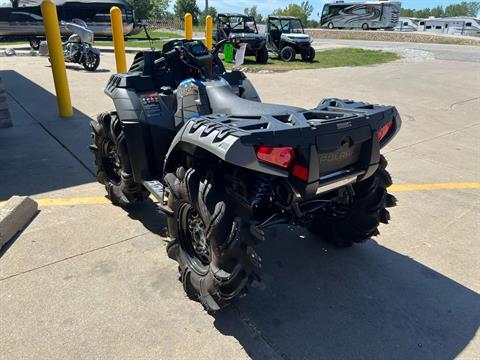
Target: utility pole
x=206, y=7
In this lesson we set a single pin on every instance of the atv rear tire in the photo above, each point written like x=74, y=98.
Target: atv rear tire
x=288, y=54
x=261, y=56
x=112, y=162
x=308, y=55
x=210, y=242
x=366, y=212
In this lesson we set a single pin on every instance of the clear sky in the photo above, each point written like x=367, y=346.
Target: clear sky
x=266, y=7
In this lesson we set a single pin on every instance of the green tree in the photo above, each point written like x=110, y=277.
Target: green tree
x=142, y=8
x=302, y=11
x=253, y=11
x=424, y=13
x=407, y=12
x=312, y=24
x=182, y=7
x=464, y=8
x=437, y=11
x=212, y=11
x=473, y=8
x=159, y=8
x=460, y=9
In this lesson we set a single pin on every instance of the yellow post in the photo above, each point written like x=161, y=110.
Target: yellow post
x=55, y=50
x=118, y=43
x=208, y=32
x=188, y=26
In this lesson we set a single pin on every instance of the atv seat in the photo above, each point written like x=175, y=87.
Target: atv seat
x=224, y=101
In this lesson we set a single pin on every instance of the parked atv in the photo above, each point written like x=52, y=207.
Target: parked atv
x=78, y=48
x=224, y=166
x=239, y=28
x=287, y=38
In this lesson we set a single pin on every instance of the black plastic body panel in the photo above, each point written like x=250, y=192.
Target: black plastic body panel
x=335, y=140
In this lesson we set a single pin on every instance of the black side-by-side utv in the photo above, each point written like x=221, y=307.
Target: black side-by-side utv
x=239, y=28
x=287, y=38
x=224, y=166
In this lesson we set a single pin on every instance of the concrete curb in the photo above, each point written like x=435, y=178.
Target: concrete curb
x=15, y=215
x=5, y=118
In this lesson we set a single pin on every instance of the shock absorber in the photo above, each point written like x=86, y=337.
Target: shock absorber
x=260, y=189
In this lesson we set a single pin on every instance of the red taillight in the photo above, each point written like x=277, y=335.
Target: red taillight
x=384, y=130
x=280, y=156
x=300, y=172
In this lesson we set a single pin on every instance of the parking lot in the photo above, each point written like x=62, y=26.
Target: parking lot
x=89, y=280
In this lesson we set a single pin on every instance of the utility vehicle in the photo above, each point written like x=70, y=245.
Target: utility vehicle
x=224, y=166
x=239, y=28
x=286, y=38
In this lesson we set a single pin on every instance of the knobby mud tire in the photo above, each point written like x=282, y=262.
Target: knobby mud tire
x=108, y=138
x=368, y=210
x=232, y=263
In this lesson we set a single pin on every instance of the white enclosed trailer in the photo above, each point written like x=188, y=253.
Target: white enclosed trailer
x=452, y=25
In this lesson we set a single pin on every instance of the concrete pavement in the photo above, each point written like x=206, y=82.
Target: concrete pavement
x=92, y=281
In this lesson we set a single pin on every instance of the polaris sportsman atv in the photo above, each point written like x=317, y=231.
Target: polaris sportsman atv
x=239, y=28
x=287, y=38
x=224, y=166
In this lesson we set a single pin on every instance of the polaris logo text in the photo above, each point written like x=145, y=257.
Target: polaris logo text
x=344, y=125
x=337, y=156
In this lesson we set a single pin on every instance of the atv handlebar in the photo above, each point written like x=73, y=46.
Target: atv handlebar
x=219, y=45
x=169, y=55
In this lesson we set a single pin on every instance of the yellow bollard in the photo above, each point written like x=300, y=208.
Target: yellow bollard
x=55, y=50
x=188, y=26
x=118, y=43
x=208, y=32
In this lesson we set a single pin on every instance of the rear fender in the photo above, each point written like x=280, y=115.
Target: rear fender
x=228, y=149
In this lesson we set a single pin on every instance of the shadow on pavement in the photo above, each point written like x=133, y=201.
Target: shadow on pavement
x=79, y=67
x=150, y=217
x=41, y=152
x=367, y=302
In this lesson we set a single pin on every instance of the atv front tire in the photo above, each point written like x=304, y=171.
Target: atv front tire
x=112, y=162
x=210, y=242
x=261, y=56
x=288, y=54
x=366, y=212
x=308, y=55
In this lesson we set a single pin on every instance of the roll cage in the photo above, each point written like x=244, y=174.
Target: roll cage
x=285, y=24
x=236, y=23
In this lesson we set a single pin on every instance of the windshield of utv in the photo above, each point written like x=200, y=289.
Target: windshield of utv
x=238, y=24
x=287, y=26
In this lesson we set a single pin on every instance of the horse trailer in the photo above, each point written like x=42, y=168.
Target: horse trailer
x=468, y=26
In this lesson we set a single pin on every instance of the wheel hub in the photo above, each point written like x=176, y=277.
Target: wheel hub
x=111, y=161
x=196, y=229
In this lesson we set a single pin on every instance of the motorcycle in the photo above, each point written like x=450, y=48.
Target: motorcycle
x=78, y=48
